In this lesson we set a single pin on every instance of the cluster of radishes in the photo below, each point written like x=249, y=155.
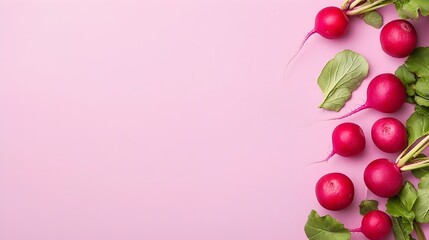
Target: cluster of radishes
x=398, y=38
x=385, y=93
x=335, y=191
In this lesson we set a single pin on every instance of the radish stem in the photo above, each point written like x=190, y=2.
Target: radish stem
x=419, y=232
x=412, y=152
x=368, y=8
x=422, y=162
x=355, y=3
x=354, y=230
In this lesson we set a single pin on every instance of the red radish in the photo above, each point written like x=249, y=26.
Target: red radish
x=398, y=38
x=376, y=225
x=383, y=178
x=385, y=93
x=331, y=23
x=348, y=140
x=389, y=135
x=335, y=191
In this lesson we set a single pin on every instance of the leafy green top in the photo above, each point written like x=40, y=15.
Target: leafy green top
x=326, y=227
x=340, y=77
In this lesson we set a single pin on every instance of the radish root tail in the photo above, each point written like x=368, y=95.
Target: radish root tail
x=332, y=153
x=297, y=52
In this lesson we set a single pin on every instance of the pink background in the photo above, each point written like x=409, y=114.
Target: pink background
x=163, y=119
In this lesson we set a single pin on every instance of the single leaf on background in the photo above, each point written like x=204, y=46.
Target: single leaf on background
x=421, y=207
x=417, y=125
x=404, y=74
x=325, y=228
x=400, y=229
x=418, y=61
x=340, y=77
x=411, y=8
x=373, y=19
x=367, y=205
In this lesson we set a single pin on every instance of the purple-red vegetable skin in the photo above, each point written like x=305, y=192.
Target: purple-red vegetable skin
x=331, y=23
x=385, y=93
x=389, y=135
x=398, y=38
x=348, y=139
x=335, y=191
x=383, y=178
x=376, y=225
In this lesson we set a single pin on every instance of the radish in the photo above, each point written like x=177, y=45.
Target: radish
x=385, y=93
x=384, y=178
x=331, y=23
x=348, y=140
x=335, y=191
x=376, y=225
x=398, y=38
x=389, y=135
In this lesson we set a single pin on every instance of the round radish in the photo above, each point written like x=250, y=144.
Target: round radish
x=335, y=191
x=389, y=135
x=385, y=93
x=331, y=23
x=398, y=38
x=376, y=225
x=348, y=139
x=383, y=178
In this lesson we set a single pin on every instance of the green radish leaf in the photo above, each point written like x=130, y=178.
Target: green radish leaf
x=373, y=19
x=421, y=207
x=340, y=77
x=411, y=8
x=396, y=208
x=422, y=110
x=410, y=100
x=417, y=125
x=422, y=87
x=402, y=204
x=367, y=206
x=421, y=101
x=420, y=172
x=400, y=229
x=408, y=195
x=325, y=228
x=410, y=90
x=418, y=61
x=400, y=208
x=406, y=76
